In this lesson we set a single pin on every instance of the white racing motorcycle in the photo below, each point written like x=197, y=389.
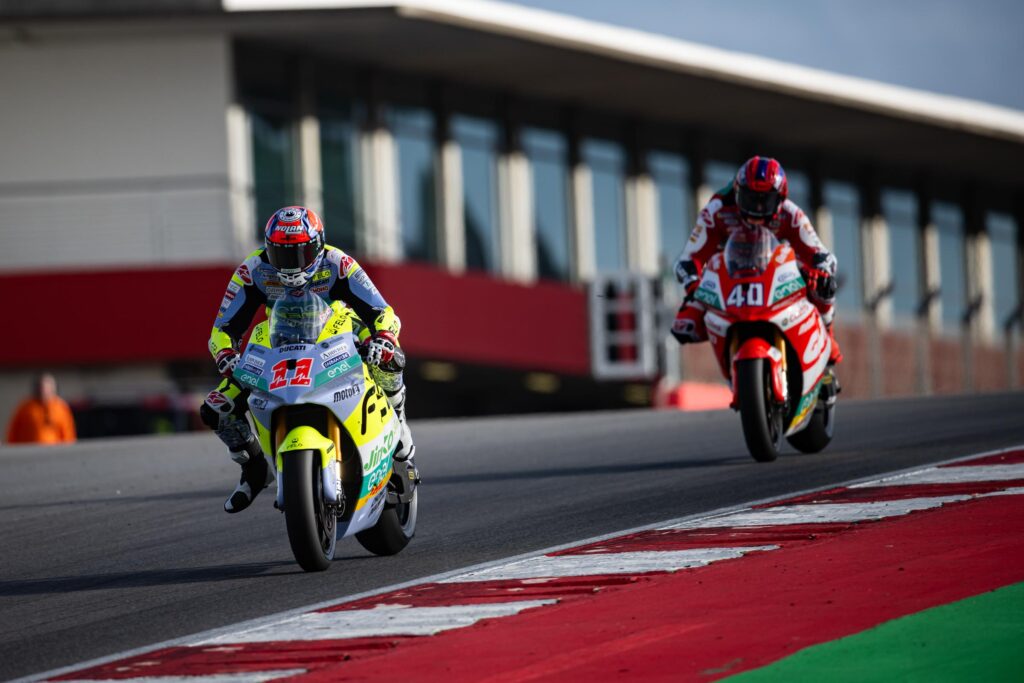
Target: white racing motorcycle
x=331, y=431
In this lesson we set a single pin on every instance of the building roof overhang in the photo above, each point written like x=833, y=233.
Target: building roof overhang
x=531, y=53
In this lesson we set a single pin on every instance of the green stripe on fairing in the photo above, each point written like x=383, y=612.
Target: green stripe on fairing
x=252, y=380
x=977, y=639
x=784, y=290
x=708, y=297
x=337, y=370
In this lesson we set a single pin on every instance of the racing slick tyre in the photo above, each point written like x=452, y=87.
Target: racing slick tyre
x=394, y=529
x=760, y=416
x=818, y=432
x=312, y=525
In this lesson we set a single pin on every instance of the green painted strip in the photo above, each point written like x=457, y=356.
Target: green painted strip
x=708, y=297
x=338, y=370
x=977, y=639
x=252, y=380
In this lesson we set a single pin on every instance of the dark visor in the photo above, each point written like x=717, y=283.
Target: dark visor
x=291, y=257
x=759, y=204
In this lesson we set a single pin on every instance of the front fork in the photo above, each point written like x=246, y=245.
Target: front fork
x=756, y=347
x=304, y=438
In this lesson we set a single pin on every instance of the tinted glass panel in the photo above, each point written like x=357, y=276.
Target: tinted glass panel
x=1006, y=294
x=900, y=210
x=718, y=174
x=547, y=152
x=339, y=149
x=607, y=164
x=413, y=130
x=800, y=190
x=843, y=204
x=949, y=223
x=671, y=179
x=273, y=156
x=479, y=140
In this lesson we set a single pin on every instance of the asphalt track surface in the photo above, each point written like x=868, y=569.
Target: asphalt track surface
x=111, y=545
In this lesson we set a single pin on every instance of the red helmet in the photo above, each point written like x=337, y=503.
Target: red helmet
x=761, y=188
x=295, y=244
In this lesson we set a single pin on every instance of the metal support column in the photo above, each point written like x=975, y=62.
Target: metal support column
x=582, y=190
x=378, y=235
x=450, y=218
x=927, y=318
x=515, y=199
x=310, y=170
x=878, y=284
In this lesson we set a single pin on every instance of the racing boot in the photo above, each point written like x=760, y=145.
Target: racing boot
x=256, y=475
x=406, y=448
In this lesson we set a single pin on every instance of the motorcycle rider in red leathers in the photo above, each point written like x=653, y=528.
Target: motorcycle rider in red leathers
x=295, y=257
x=757, y=196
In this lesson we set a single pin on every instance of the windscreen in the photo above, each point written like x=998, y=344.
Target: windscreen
x=298, y=319
x=749, y=250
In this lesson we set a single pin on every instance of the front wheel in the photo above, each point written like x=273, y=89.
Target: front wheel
x=394, y=529
x=760, y=415
x=312, y=525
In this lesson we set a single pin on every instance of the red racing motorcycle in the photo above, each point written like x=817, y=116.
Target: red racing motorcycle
x=771, y=344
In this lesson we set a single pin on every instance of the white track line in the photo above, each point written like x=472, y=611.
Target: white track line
x=817, y=513
x=951, y=475
x=383, y=620
x=438, y=578
x=548, y=567
x=247, y=677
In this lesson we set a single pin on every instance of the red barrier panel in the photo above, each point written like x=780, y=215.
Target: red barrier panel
x=160, y=314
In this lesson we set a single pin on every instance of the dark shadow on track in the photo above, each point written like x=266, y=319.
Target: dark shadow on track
x=139, y=579
x=114, y=500
x=584, y=471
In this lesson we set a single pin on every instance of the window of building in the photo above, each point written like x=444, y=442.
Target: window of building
x=1006, y=293
x=800, y=190
x=339, y=160
x=843, y=203
x=671, y=175
x=607, y=163
x=479, y=140
x=719, y=174
x=949, y=225
x=274, y=153
x=547, y=152
x=899, y=207
x=413, y=131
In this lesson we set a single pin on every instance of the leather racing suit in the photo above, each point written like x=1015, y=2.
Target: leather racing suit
x=714, y=225
x=255, y=283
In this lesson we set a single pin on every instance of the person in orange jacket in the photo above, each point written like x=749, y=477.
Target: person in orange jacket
x=43, y=418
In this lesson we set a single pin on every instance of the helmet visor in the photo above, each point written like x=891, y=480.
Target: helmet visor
x=292, y=258
x=757, y=204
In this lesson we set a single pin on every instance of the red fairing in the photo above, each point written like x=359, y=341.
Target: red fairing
x=759, y=348
x=744, y=297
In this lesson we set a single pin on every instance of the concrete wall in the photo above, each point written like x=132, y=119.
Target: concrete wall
x=947, y=372
x=114, y=150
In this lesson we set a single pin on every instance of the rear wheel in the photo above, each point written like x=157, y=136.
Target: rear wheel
x=818, y=432
x=312, y=525
x=760, y=415
x=394, y=529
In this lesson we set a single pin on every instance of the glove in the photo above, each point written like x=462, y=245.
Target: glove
x=822, y=285
x=380, y=348
x=227, y=361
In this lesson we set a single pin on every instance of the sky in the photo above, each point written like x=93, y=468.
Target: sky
x=968, y=48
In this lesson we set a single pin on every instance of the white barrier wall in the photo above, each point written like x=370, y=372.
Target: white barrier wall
x=113, y=150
